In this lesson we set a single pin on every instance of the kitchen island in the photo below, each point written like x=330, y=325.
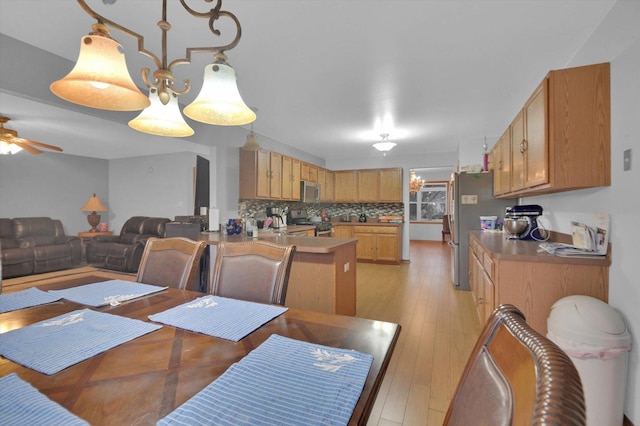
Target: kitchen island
x=323, y=272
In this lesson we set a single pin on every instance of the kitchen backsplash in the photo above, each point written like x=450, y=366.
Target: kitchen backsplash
x=372, y=210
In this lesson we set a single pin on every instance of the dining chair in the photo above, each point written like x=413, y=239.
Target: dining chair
x=256, y=271
x=516, y=376
x=172, y=262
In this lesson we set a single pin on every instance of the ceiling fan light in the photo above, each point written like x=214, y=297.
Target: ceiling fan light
x=100, y=79
x=162, y=120
x=7, y=148
x=219, y=101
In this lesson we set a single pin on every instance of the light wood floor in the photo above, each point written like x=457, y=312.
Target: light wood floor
x=439, y=329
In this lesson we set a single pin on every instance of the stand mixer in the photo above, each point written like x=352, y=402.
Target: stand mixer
x=521, y=223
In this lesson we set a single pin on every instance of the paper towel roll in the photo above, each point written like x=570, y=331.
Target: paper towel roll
x=214, y=220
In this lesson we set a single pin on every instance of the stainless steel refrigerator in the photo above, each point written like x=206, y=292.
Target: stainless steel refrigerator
x=470, y=196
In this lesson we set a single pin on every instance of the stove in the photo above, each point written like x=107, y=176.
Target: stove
x=300, y=217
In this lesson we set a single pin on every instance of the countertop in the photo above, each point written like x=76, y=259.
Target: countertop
x=502, y=248
x=303, y=244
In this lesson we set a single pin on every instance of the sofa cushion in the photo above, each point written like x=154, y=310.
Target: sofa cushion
x=41, y=230
x=6, y=229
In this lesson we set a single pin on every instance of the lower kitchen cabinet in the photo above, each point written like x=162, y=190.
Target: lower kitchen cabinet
x=378, y=243
x=512, y=271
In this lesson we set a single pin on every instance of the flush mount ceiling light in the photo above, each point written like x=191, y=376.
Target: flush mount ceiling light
x=384, y=146
x=11, y=143
x=100, y=78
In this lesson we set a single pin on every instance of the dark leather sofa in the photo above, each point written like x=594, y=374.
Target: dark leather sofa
x=123, y=252
x=35, y=245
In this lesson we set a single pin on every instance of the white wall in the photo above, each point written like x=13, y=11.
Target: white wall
x=617, y=40
x=52, y=185
x=155, y=185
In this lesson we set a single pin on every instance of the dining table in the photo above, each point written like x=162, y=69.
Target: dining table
x=145, y=379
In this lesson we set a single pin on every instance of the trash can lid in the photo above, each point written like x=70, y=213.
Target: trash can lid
x=588, y=320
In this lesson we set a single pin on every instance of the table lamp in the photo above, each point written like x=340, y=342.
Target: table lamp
x=94, y=205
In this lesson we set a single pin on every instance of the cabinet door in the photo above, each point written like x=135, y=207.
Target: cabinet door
x=386, y=246
x=488, y=297
x=275, y=184
x=263, y=184
x=390, y=189
x=295, y=179
x=518, y=149
x=366, y=245
x=345, y=186
x=287, y=178
x=342, y=231
x=501, y=155
x=536, y=141
x=368, y=182
x=322, y=176
x=304, y=171
x=313, y=173
x=329, y=192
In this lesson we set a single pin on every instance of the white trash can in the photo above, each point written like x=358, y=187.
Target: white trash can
x=596, y=339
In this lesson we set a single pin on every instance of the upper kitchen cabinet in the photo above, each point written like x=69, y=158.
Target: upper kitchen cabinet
x=260, y=174
x=290, y=178
x=561, y=139
x=308, y=172
x=368, y=186
x=501, y=164
x=390, y=187
x=325, y=179
x=345, y=182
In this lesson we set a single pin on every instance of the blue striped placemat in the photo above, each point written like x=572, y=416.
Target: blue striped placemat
x=283, y=381
x=111, y=292
x=52, y=345
x=221, y=317
x=22, y=404
x=25, y=299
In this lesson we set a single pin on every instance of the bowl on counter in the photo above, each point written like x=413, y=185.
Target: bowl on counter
x=516, y=227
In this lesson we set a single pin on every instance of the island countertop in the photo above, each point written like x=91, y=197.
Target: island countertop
x=303, y=244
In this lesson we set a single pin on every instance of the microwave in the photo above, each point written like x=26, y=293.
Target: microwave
x=309, y=192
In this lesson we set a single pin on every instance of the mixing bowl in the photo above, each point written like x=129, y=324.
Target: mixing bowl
x=516, y=226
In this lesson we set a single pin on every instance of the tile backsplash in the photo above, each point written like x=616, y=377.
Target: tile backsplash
x=372, y=210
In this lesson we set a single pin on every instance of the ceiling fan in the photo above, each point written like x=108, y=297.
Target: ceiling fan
x=10, y=143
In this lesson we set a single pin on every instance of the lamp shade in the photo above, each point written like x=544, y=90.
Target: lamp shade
x=219, y=101
x=252, y=143
x=162, y=120
x=9, y=148
x=100, y=78
x=94, y=205
x=384, y=146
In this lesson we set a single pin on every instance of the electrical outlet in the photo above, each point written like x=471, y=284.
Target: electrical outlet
x=346, y=267
x=627, y=160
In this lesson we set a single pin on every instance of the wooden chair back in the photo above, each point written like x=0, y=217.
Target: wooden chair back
x=256, y=271
x=516, y=376
x=172, y=262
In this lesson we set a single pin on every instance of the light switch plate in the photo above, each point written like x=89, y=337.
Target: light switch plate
x=627, y=159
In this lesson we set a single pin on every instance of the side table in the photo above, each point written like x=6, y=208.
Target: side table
x=86, y=236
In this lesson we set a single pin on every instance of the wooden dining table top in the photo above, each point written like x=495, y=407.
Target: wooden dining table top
x=143, y=380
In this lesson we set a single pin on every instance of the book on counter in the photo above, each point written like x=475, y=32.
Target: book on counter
x=589, y=239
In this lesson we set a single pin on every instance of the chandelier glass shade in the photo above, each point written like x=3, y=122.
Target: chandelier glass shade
x=162, y=120
x=415, y=184
x=7, y=148
x=219, y=101
x=100, y=78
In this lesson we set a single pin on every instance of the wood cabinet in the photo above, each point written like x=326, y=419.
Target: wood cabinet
x=261, y=174
x=561, y=139
x=390, y=185
x=325, y=179
x=308, y=172
x=378, y=243
x=368, y=185
x=342, y=231
x=290, y=179
x=501, y=164
x=345, y=186
x=511, y=271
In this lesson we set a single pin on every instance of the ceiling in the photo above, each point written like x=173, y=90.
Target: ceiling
x=323, y=74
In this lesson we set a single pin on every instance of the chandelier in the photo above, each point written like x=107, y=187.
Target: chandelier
x=415, y=184
x=385, y=145
x=100, y=79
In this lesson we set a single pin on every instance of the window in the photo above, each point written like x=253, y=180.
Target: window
x=430, y=203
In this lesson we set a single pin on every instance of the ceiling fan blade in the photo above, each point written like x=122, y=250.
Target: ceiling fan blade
x=26, y=146
x=42, y=145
